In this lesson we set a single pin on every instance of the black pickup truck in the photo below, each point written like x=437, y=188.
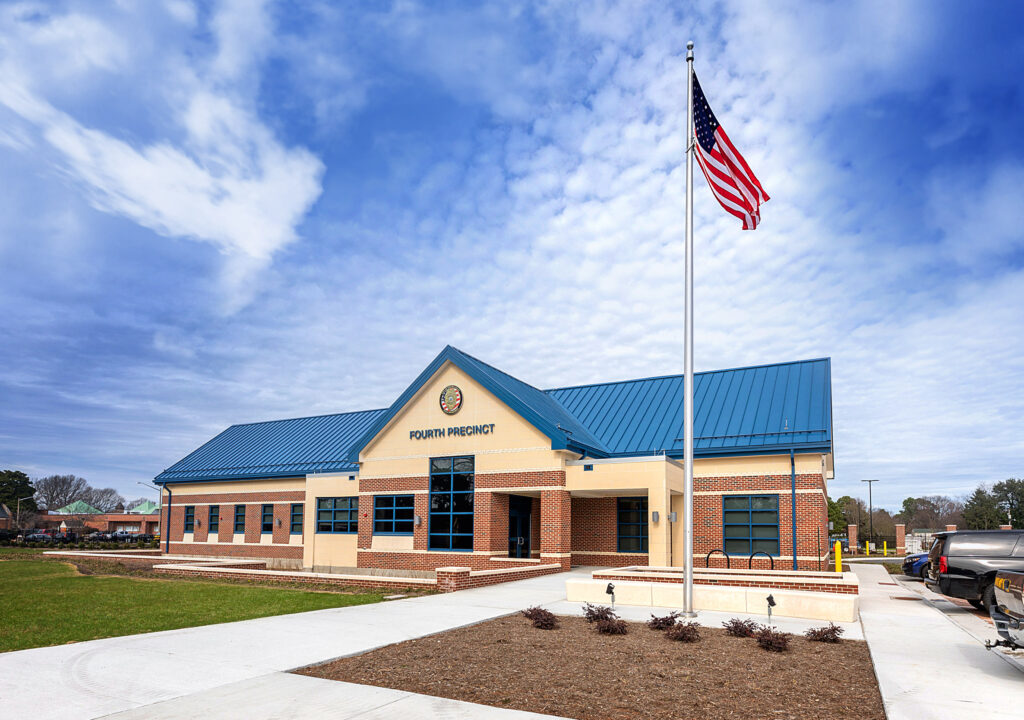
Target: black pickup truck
x=964, y=563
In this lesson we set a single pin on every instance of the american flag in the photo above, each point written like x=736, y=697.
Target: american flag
x=730, y=178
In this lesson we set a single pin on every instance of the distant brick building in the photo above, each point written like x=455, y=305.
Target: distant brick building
x=473, y=467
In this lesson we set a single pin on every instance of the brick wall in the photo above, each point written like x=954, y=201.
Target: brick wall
x=595, y=532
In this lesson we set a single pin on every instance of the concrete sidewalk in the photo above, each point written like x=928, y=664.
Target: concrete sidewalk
x=100, y=677
x=929, y=667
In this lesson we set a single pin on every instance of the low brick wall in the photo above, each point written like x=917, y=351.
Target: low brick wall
x=369, y=582
x=839, y=583
x=451, y=579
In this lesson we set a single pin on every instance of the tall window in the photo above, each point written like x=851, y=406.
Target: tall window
x=296, y=519
x=239, y=518
x=393, y=514
x=190, y=518
x=337, y=515
x=451, y=503
x=632, y=522
x=751, y=524
x=213, y=523
x=267, y=519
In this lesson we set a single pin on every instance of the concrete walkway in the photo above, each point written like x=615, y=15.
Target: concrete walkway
x=929, y=667
x=100, y=677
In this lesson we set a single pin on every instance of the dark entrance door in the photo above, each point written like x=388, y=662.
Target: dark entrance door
x=519, y=526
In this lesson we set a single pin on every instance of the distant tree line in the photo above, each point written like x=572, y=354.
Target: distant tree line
x=54, y=492
x=985, y=509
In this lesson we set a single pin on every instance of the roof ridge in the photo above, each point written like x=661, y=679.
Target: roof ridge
x=679, y=375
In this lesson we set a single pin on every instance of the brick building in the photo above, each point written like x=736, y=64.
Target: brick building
x=473, y=467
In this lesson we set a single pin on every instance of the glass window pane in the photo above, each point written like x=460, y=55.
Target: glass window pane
x=764, y=531
x=341, y=526
x=440, y=503
x=464, y=464
x=737, y=516
x=462, y=482
x=462, y=524
x=403, y=514
x=735, y=502
x=764, y=503
x=736, y=531
x=440, y=542
x=440, y=523
x=632, y=517
x=462, y=502
x=440, y=464
x=382, y=527
x=403, y=526
x=323, y=527
x=462, y=542
x=762, y=516
x=630, y=544
x=440, y=483
x=323, y=502
x=768, y=546
x=382, y=514
x=322, y=515
x=737, y=547
x=404, y=501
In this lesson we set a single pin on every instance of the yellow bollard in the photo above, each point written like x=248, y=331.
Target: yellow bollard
x=867, y=548
x=839, y=556
x=885, y=548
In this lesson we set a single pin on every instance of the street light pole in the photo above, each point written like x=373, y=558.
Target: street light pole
x=28, y=497
x=871, y=511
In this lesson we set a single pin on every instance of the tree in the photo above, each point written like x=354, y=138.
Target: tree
x=836, y=516
x=982, y=511
x=55, y=491
x=1010, y=496
x=104, y=499
x=15, y=485
x=930, y=511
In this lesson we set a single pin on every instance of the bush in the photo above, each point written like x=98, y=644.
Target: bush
x=664, y=622
x=741, y=628
x=612, y=626
x=684, y=632
x=772, y=640
x=597, y=613
x=542, y=619
x=830, y=633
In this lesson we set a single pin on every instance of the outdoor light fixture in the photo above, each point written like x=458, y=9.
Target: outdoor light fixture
x=672, y=517
x=279, y=522
x=771, y=604
x=610, y=590
x=417, y=521
x=654, y=516
x=199, y=522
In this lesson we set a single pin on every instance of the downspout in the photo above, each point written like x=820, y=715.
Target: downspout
x=167, y=530
x=792, y=481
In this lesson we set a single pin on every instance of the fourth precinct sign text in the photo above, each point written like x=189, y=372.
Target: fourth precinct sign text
x=457, y=430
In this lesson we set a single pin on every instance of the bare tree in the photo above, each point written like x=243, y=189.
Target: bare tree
x=56, y=491
x=134, y=503
x=104, y=499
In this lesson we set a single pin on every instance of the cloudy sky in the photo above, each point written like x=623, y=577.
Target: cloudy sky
x=227, y=213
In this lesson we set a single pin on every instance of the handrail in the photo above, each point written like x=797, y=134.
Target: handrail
x=708, y=557
x=750, y=562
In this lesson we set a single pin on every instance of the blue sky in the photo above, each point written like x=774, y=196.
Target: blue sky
x=220, y=213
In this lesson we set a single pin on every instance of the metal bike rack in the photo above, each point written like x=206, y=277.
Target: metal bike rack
x=750, y=562
x=720, y=550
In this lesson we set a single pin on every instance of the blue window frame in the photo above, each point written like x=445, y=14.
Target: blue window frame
x=393, y=514
x=239, y=518
x=337, y=515
x=452, y=481
x=267, y=519
x=750, y=523
x=213, y=523
x=631, y=517
x=296, y=519
x=190, y=518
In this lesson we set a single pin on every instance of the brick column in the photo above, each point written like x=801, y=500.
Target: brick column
x=1006, y=527
x=901, y=539
x=851, y=534
x=450, y=579
x=490, y=521
x=951, y=528
x=556, y=527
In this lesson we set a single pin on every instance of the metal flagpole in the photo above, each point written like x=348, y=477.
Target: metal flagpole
x=688, y=351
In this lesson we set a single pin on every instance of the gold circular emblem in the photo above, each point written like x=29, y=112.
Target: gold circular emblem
x=451, y=400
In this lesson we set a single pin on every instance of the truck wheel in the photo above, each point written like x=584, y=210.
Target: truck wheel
x=978, y=603
x=988, y=598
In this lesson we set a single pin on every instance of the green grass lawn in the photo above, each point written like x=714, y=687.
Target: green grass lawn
x=43, y=602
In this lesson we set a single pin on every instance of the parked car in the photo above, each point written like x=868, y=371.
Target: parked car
x=964, y=564
x=916, y=565
x=99, y=537
x=144, y=537
x=124, y=536
x=38, y=537
x=1008, y=610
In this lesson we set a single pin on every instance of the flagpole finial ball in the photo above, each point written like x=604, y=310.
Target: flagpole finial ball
x=689, y=45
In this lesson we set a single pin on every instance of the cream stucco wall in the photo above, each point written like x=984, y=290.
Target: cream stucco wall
x=236, y=486
x=514, y=445
x=323, y=550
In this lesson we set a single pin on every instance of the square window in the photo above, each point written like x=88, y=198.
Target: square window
x=750, y=523
x=393, y=514
x=632, y=525
x=337, y=515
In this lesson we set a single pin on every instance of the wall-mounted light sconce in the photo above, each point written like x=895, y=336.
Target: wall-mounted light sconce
x=417, y=521
x=672, y=517
x=199, y=523
x=279, y=522
x=654, y=516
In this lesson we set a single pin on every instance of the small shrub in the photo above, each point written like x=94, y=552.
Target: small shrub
x=664, y=622
x=542, y=619
x=772, y=640
x=830, y=633
x=741, y=628
x=597, y=613
x=684, y=632
x=612, y=626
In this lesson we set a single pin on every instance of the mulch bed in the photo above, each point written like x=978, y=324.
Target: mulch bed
x=574, y=672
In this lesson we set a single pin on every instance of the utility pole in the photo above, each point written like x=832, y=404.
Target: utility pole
x=18, y=521
x=871, y=512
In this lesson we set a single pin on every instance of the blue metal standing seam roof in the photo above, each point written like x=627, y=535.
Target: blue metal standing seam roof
x=741, y=411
